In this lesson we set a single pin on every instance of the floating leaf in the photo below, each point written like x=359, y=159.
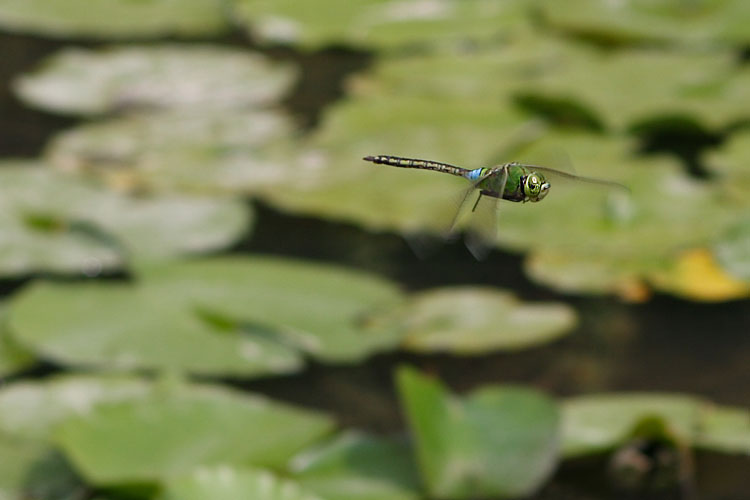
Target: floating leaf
x=601, y=422
x=332, y=181
x=216, y=316
x=30, y=410
x=695, y=274
x=725, y=429
x=634, y=21
x=230, y=483
x=60, y=223
x=467, y=320
x=498, y=441
x=179, y=427
x=575, y=83
x=196, y=77
x=12, y=357
x=112, y=18
x=194, y=151
x=354, y=466
x=379, y=23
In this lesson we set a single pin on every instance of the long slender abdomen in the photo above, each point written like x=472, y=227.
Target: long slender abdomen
x=397, y=161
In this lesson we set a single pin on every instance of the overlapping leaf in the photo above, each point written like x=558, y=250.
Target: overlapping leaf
x=12, y=356
x=496, y=442
x=468, y=320
x=356, y=466
x=217, y=316
x=225, y=482
x=50, y=221
x=162, y=77
x=601, y=422
x=641, y=21
x=381, y=23
x=112, y=18
x=177, y=428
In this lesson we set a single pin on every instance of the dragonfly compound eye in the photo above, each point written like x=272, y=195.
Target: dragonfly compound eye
x=535, y=187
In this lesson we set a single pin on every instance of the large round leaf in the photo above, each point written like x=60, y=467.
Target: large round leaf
x=176, y=428
x=380, y=23
x=154, y=77
x=355, y=466
x=50, y=221
x=467, y=320
x=12, y=357
x=112, y=18
x=216, y=316
x=639, y=21
x=231, y=483
x=495, y=442
x=195, y=151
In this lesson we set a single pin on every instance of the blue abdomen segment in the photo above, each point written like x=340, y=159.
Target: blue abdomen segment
x=474, y=175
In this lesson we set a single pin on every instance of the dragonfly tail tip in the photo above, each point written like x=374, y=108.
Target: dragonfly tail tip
x=369, y=158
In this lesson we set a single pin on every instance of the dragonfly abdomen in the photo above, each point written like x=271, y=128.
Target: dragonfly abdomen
x=397, y=161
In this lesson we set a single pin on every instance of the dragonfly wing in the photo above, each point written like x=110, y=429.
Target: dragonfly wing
x=464, y=207
x=483, y=228
x=578, y=178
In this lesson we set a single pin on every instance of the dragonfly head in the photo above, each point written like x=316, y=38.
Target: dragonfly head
x=535, y=187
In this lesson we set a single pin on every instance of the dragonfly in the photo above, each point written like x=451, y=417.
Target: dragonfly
x=513, y=181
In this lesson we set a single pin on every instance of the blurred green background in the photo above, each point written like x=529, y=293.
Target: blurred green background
x=206, y=294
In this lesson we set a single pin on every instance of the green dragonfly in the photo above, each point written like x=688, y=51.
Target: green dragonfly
x=512, y=181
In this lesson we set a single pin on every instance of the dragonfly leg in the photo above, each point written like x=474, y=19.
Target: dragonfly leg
x=477, y=202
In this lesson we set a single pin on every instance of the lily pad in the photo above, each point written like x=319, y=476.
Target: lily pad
x=222, y=316
x=113, y=18
x=29, y=411
x=164, y=77
x=224, y=482
x=637, y=21
x=332, y=181
x=173, y=430
x=355, y=466
x=380, y=23
x=601, y=422
x=496, y=442
x=473, y=320
x=13, y=358
x=725, y=429
x=606, y=87
x=50, y=221
x=193, y=151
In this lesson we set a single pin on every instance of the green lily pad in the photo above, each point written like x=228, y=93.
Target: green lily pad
x=13, y=358
x=112, y=18
x=228, y=316
x=194, y=151
x=333, y=181
x=61, y=223
x=381, y=24
x=633, y=21
x=224, y=482
x=602, y=422
x=173, y=430
x=725, y=429
x=196, y=77
x=355, y=466
x=607, y=88
x=496, y=442
x=29, y=411
x=473, y=320
x=733, y=250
